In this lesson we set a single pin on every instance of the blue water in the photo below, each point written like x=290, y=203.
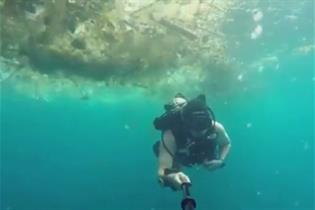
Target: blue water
x=67, y=154
x=70, y=154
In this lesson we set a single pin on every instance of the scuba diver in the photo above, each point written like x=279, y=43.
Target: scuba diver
x=190, y=136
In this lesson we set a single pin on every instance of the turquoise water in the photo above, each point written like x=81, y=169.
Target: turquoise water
x=70, y=154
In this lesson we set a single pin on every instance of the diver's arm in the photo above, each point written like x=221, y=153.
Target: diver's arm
x=165, y=158
x=167, y=175
x=224, y=141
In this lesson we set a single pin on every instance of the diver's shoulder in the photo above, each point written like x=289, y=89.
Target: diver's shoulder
x=218, y=126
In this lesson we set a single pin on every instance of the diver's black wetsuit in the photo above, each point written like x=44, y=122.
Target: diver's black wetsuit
x=190, y=150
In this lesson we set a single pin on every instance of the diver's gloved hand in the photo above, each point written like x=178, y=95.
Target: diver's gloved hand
x=175, y=180
x=213, y=164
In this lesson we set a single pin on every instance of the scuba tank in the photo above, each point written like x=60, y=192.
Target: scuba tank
x=171, y=114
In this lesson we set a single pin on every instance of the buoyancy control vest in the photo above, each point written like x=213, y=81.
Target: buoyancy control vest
x=190, y=150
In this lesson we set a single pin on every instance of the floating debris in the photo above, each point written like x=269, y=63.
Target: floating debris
x=257, y=15
x=178, y=28
x=291, y=17
x=36, y=13
x=257, y=32
x=84, y=96
x=126, y=127
x=248, y=125
x=305, y=49
x=118, y=43
x=261, y=68
x=6, y=74
x=268, y=62
x=240, y=77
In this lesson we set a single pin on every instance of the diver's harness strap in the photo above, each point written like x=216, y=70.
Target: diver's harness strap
x=166, y=148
